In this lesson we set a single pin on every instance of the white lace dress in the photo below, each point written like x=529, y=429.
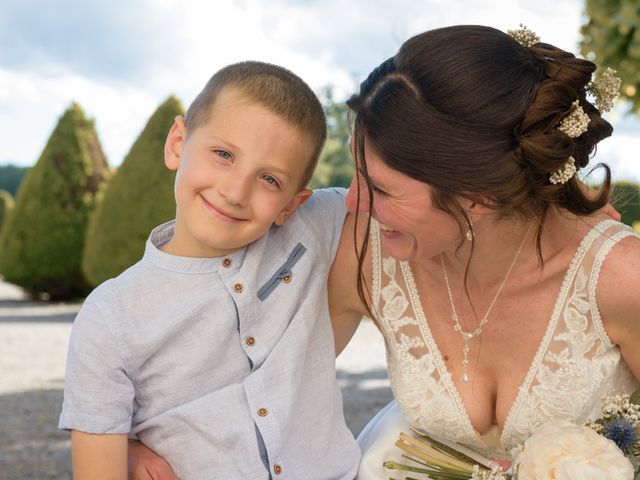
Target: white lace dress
x=576, y=364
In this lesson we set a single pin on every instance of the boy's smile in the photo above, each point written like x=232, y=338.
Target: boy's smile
x=237, y=174
x=224, y=216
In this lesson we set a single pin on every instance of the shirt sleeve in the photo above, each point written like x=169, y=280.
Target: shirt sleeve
x=98, y=393
x=324, y=214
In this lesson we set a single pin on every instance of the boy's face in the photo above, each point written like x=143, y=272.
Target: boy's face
x=237, y=174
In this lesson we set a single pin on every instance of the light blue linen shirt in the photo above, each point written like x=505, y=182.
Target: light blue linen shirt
x=224, y=366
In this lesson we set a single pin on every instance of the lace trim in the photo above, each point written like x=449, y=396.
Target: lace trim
x=578, y=256
x=375, y=259
x=445, y=375
x=593, y=282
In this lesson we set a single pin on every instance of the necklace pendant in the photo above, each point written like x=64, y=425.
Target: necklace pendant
x=464, y=378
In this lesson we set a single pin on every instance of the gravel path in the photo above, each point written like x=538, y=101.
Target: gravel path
x=33, y=343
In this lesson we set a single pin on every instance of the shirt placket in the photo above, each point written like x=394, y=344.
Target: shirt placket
x=236, y=280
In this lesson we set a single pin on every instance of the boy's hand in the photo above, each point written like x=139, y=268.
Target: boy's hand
x=612, y=212
x=145, y=464
x=607, y=209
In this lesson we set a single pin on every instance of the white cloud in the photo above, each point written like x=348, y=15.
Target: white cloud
x=30, y=106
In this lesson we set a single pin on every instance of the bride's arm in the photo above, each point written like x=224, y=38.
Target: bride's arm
x=619, y=300
x=345, y=306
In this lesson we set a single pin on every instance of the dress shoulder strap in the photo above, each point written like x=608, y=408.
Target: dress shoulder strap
x=609, y=234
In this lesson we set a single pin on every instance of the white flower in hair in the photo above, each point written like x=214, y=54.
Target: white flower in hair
x=576, y=123
x=605, y=88
x=524, y=36
x=564, y=174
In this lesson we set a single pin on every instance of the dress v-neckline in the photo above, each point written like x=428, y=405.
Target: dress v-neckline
x=569, y=275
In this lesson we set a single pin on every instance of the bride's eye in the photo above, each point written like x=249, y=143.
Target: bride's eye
x=378, y=191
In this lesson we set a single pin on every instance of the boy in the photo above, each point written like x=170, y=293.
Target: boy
x=216, y=349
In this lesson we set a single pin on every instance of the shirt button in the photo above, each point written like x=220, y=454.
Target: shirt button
x=286, y=278
x=263, y=412
x=226, y=263
x=250, y=341
x=277, y=469
x=238, y=287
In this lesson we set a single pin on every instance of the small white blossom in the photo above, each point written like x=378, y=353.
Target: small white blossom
x=564, y=174
x=576, y=123
x=524, y=36
x=605, y=89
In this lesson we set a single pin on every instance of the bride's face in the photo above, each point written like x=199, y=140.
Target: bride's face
x=413, y=228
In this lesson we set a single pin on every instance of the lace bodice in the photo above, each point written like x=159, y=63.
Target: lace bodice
x=576, y=364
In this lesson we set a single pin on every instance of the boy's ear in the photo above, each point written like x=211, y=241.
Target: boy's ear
x=298, y=199
x=174, y=143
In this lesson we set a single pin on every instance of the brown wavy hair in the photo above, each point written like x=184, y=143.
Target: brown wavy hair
x=469, y=111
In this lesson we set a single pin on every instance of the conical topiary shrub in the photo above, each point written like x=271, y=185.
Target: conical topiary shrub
x=6, y=206
x=139, y=197
x=43, y=239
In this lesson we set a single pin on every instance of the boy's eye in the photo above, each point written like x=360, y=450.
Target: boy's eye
x=223, y=154
x=270, y=180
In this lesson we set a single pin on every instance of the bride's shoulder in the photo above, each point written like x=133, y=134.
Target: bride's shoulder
x=618, y=285
x=622, y=261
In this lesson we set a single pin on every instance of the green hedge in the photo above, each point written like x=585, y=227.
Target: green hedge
x=7, y=203
x=139, y=197
x=42, y=241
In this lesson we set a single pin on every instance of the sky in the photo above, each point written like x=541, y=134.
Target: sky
x=122, y=58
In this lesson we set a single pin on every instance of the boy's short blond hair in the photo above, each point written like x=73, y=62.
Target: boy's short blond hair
x=277, y=89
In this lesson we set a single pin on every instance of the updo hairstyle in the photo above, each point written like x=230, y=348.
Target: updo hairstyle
x=472, y=113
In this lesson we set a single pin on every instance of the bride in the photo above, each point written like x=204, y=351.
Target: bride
x=505, y=297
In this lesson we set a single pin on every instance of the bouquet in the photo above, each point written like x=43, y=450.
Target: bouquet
x=608, y=449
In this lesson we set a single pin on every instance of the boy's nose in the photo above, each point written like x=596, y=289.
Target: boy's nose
x=352, y=196
x=235, y=189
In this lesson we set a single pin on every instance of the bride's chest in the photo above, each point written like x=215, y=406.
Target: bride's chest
x=535, y=357
x=497, y=360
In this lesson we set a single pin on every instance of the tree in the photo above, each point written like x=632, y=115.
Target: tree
x=139, y=197
x=6, y=206
x=10, y=177
x=335, y=167
x=42, y=241
x=611, y=38
x=626, y=199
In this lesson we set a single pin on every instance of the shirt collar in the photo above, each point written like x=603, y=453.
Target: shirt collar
x=163, y=233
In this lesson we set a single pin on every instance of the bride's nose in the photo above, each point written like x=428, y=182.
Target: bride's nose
x=353, y=203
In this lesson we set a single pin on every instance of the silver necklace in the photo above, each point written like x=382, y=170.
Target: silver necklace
x=467, y=336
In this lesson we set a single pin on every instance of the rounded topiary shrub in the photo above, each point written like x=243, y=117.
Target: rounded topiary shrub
x=626, y=199
x=6, y=206
x=43, y=239
x=139, y=197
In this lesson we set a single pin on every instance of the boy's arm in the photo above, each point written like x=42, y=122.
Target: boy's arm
x=145, y=464
x=98, y=399
x=98, y=457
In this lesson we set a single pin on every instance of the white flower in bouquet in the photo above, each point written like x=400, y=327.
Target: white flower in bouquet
x=565, y=451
